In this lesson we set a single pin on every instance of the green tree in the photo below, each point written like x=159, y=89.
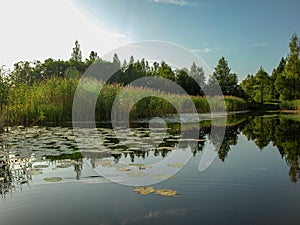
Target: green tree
x=222, y=76
x=93, y=57
x=288, y=82
x=54, y=68
x=258, y=88
x=262, y=88
x=154, y=69
x=76, y=59
x=166, y=71
x=274, y=76
x=185, y=81
x=22, y=73
x=197, y=73
x=3, y=89
x=247, y=86
x=116, y=61
x=76, y=55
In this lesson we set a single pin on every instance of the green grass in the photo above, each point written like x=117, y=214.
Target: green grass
x=52, y=100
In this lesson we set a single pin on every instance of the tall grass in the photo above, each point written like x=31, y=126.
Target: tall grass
x=51, y=101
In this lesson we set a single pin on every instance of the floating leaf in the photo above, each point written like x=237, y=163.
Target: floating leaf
x=140, y=166
x=167, y=192
x=136, y=164
x=34, y=172
x=166, y=148
x=108, y=165
x=177, y=165
x=137, y=174
x=118, y=165
x=64, y=165
x=115, y=152
x=124, y=169
x=52, y=179
x=144, y=190
x=76, y=162
x=40, y=166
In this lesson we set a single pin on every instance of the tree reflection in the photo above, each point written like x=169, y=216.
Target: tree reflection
x=13, y=173
x=287, y=140
x=230, y=138
x=260, y=129
x=283, y=133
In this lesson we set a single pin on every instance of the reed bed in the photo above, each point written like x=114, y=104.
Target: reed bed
x=52, y=100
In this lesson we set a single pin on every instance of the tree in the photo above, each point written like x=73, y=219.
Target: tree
x=76, y=55
x=3, y=89
x=222, y=77
x=185, y=81
x=76, y=59
x=258, y=88
x=22, y=73
x=154, y=69
x=93, y=57
x=166, y=71
x=262, y=86
x=247, y=86
x=288, y=82
x=198, y=75
x=274, y=76
x=116, y=61
x=54, y=68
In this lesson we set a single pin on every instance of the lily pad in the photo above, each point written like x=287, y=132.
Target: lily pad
x=137, y=174
x=34, y=172
x=167, y=192
x=118, y=165
x=166, y=148
x=140, y=166
x=64, y=165
x=177, y=165
x=136, y=164
x=144, y=190
x=52, y=179
x=40, y=166
x=115, y=152
x=76, y=162
x=124, y=169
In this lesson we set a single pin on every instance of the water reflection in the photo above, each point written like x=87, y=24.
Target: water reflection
x=283, y=133
x=24, y=153
x=13, y=173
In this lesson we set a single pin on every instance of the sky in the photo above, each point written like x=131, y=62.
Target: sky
x=249, y=34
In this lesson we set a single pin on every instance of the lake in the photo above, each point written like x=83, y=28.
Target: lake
x=46, y=178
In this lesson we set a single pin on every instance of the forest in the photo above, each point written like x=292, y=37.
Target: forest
x=34, y=92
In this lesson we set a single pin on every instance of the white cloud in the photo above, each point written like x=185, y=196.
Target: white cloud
x=174, y=2
x=260, y=44
x=205, y=50
x=35, y=29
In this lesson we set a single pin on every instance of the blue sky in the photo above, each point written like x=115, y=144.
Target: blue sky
x=249, y=34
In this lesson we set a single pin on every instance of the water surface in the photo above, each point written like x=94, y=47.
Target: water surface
x=252, y=181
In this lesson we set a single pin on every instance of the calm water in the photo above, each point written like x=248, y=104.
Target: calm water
x=253, y=179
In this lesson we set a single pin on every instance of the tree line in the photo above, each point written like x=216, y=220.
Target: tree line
x=282, y=84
